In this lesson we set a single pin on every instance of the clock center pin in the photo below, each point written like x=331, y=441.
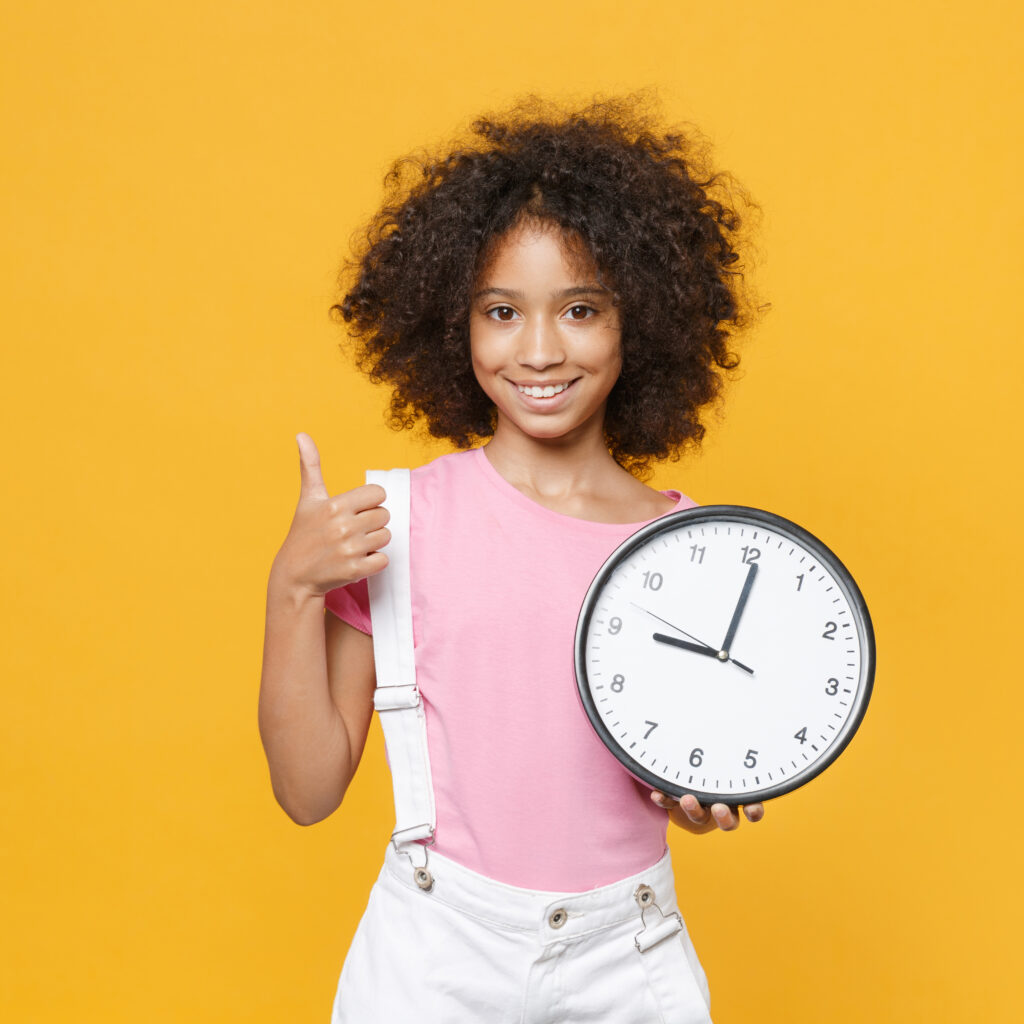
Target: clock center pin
x=723, y=655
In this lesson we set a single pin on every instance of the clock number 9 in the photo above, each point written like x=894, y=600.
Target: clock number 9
x=618, y=682
x=615, y=626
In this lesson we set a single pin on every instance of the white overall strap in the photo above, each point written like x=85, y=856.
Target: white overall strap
x=397, y=698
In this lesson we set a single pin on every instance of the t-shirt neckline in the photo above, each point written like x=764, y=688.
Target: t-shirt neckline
x=512, y=493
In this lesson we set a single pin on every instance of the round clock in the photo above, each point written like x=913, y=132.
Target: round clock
x=726, y=652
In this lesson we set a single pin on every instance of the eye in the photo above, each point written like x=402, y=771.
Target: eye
x=502, y=313
x=581, y=312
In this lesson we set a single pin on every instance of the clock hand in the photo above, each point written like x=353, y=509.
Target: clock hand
x=740, y=605
x=672, y=624
x=696, y=648
x=702, y=649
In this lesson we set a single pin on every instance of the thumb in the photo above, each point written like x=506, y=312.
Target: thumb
x=309, y=466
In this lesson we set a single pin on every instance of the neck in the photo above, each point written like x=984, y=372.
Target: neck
x=551, y=467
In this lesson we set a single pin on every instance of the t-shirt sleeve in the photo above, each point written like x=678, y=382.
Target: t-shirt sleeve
x=352, y=605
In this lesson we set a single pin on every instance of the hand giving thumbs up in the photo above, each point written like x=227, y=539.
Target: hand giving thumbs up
x=332, y=541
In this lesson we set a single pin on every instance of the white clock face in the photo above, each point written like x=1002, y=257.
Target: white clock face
x=724, y=652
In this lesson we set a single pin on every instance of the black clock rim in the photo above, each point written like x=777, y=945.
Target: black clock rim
x=754, y=516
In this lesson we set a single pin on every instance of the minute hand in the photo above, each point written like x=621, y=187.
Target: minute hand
x=740, y=605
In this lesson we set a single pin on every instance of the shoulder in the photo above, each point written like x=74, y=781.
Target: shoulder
x=450, y=466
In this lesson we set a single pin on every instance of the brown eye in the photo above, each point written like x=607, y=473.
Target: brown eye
x=502, y=313
x=580, y=312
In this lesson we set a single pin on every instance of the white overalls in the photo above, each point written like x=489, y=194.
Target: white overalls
x=440, y=944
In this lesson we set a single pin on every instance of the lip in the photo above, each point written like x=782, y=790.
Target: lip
x=552, y=404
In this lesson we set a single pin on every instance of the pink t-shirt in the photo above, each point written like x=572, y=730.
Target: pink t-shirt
x=525, y=791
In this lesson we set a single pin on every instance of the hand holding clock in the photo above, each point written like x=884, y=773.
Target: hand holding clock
x=688, y=814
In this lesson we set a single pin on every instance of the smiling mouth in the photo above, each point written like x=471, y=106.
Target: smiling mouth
x=544, y=390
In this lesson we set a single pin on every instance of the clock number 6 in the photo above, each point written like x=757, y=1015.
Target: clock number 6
x=696, y=757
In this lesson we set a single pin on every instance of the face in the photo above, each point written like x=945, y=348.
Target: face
x=545, y=337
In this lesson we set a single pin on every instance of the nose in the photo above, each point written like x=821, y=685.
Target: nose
x=540, y=346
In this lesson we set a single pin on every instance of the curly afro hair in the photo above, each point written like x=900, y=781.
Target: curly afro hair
x=662, y=229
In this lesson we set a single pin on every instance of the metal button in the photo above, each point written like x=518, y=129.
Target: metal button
x=644, y=896
x=558, y=918
x=424, y=879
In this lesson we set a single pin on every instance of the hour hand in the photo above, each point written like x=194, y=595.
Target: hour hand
x=686, y=645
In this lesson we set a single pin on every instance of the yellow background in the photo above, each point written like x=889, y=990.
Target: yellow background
x=178, y=185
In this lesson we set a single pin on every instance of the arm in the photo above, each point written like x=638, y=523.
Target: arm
x=316, y=689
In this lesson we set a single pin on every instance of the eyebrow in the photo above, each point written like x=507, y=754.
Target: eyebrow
x=565, y=293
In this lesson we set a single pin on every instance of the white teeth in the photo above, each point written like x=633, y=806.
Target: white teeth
x=546, y=392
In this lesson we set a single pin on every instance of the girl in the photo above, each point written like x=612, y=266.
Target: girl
x=561, y=288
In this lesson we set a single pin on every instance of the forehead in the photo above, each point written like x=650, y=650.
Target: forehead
x=537, y=250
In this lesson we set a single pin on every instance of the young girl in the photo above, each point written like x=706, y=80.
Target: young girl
x=562, y=288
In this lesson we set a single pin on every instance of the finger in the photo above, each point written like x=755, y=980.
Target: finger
x=754, y=812
x=724, y=817
x=309, y=467
x=378, y=539
x=365, y=497
x=691, y=807
x=371, y=519
x=375, y=562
